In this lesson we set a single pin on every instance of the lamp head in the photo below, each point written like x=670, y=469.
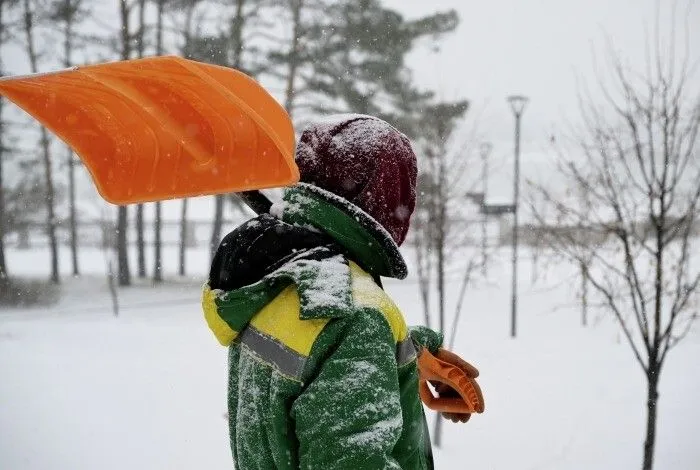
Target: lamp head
x=485, y=149
x=517, y=103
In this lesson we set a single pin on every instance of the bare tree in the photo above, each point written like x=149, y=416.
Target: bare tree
x=3, y=263
x=442, y=229
x=69, y=13
x=33, y=56
x=638, y=164
x=5, y=5
x=182, y=264
x=422, y=245
x=583, y=276
x=469, y=270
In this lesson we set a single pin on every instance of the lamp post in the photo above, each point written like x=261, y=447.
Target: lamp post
x=517, y=105
x=485, y=150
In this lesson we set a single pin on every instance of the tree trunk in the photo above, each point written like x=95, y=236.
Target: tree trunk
x=534, y=272
x=122, y=245
x=50, y=197
x=183, y=236
x=124, y=10
x=652, y=404
x=485, y=150
x=113, y=291
x=158, y=245
x=158, y=265
x=122, y=219
x=654, y=368
x=423, y=265
x=3, y=264
x=46, y=150
x=440, y=242
x=296, y=6
x=68, y=62
x=73, y=214
x=441, y=278
x=140, y=242
x=140, y=46
x=584, y=295
x=218, y=223
x=437, y=433
x=237, y=24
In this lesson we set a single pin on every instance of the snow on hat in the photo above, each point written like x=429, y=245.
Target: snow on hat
x=365, y=160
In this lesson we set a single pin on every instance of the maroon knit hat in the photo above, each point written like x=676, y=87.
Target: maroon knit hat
x=366, y=161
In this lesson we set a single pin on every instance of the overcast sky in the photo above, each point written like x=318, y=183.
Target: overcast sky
x=537, y=48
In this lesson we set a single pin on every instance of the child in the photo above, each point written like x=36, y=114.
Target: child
x=322, y=368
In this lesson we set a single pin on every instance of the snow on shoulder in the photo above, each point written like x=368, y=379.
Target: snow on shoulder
x=330, y=283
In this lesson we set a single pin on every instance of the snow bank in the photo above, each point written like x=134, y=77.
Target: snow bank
x=81, y=389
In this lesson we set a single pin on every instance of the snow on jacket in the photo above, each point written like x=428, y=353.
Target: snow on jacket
x=322, y=367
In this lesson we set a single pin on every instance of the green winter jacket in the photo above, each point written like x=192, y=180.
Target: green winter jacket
x=322, y=368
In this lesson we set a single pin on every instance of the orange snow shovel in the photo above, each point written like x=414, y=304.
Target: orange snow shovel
x=163, y=127
x=454, y=378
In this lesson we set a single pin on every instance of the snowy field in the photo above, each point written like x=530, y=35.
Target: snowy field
x=82, y=390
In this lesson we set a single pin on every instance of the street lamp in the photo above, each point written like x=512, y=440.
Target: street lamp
x=485, y=151
x=517, y=105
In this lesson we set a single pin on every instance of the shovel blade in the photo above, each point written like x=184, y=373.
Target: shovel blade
x=163, y=127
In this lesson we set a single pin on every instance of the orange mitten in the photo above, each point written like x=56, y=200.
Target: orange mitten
x=459, y=395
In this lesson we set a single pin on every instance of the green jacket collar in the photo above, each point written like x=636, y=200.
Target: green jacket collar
x=364, y=239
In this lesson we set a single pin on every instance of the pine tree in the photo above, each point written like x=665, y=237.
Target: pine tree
x=349, y=56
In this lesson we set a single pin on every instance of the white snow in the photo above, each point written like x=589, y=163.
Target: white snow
x=363, y=135
x=369, y=131
x=81, y=389
x=296, y=206
x=332, y=283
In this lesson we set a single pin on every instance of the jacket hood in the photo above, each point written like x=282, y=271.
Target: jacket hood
x=257, y=248
x=307, y=241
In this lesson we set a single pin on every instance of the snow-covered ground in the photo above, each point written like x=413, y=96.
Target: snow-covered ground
x=81, y=389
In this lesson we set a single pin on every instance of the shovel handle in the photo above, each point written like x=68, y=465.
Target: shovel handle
x=256, y=200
